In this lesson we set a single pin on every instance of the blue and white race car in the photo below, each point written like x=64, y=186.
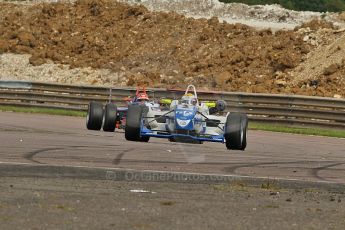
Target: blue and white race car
x=187, y=120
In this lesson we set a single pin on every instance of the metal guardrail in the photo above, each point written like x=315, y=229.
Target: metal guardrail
x=281, y=109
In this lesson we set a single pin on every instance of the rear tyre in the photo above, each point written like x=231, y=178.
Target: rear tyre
x=94, y=116
x=236, y=131
x=110, y=114
x=133, y=124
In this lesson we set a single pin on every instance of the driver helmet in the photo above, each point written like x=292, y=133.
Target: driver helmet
x=189, y=99
x=142, y=97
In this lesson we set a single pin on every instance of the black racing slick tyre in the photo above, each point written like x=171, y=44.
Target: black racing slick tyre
x=94, y=116
x=109, y=119
x=133, y=124
x=144, y=139
x=236, y=131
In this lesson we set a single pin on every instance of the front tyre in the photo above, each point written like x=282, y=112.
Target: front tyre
x=133, y=124
x=236, y=131
x=94, y=116
x=110, y=115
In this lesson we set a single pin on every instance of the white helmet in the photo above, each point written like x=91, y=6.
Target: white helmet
x=189, y=99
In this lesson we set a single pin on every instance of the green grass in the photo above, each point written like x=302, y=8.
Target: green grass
x=297, y=130
x=42, y=110
x=252, y=125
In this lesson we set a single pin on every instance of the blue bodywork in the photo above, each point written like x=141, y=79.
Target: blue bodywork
x=184, y=120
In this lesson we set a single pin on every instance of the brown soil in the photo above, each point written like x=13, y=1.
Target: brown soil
x=161, y=49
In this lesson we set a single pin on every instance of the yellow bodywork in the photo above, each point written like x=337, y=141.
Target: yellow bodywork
x=167, y=101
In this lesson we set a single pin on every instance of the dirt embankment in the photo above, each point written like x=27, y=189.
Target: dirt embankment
x=159, y=49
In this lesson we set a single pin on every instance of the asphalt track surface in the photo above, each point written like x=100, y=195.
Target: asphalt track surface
x=36, y=139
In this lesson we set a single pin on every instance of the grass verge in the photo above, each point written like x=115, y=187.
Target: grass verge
x=42, y=110
x=252, y=125
x=297, y=130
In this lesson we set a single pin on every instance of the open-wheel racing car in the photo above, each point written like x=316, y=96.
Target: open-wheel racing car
x=187, y=120
x=112, y=116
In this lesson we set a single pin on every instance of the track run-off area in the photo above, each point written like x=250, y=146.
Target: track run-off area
x=38, y=139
